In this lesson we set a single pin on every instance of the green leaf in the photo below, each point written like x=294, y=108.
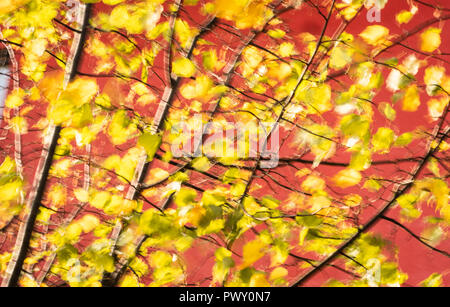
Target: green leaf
x=209, y=60
x=152, y=224
x=201, y=164
x=361, y=160
x=185, y=197
x=211, y=198
x=404, y=140
x=383, y=139
x=150, y=142
x=387, y=110
x=391, y=275
x=408, y=204
x=309, y=221
x=270, y=202
x=355, y=126
x=66, y=252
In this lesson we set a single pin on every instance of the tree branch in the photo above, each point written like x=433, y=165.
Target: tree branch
x=384, y=217
x=31, y=210
x=374, y=219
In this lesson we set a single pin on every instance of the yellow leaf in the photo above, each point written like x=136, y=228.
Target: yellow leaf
x=312, y=184
x=195, y=215
x=121, y=128
x=375, y=35
x=183, y=67
x=361, y=160
x=36, y=46
x=129, y=281
x=303, y=172
x=411, y=101
x=436, y=107
x=58, y=195
x=440, y=191
x=80, y=91
x=135, y=18
x=252, y=252
x=71, y=106
x=198, y=88
x=28, y=282
x=404, y=16
x=434, y=280
x=128, y=164
x=8, y=166
x=185, y=197
x=88, y=223
x=19, y=125
x=35, y=94
x=347, y=178
x=279, y=71
x=7, y=6
x=303, y=235
x=15, y=99
x=223, y=264
x=112, y=162
x=349, y=9
x=147, y=99
x=259, y=280
x=446, y=83
x=140, y=88
x=286, y=49
x=278, y=273
x=160, y=259
x=100, y=199
x=118, y=205
x=103, y=101
x=156, y=175
x=184, y=32
x=387, y=110
x=383, y=139
x=404, y=140
x=318, y=202
x=61, y=169
x=245, y=14
x=430, y=39
x=73, y=232
x=433, y=78
x=82, y=195
x=445, y=213
x=317, y=98
x=10, y=191
x=353, y=200
x=251, y=206
x=201, y=164
x=44, y=215
x=433, y=235
x=150, y=142
x=276, y=33
x=340, y=57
